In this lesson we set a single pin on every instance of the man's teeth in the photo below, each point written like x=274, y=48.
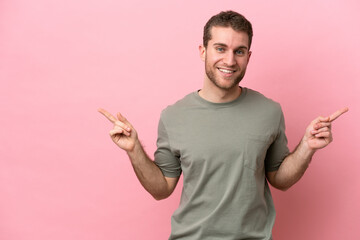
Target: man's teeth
x=225, y=70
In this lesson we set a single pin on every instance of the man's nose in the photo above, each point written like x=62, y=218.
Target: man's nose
x=229, y=59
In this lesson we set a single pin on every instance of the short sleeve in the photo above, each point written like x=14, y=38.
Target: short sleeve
x=165, y=157
x=278, y=150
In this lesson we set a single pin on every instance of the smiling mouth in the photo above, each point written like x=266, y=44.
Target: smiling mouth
x=228, y=71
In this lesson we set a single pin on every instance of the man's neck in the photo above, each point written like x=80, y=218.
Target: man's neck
x=217, y=95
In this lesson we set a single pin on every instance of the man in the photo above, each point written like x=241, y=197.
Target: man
x=226, y=140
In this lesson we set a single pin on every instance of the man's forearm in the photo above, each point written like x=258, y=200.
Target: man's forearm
x=293, y=167
x=317, y=135
x=148, y=173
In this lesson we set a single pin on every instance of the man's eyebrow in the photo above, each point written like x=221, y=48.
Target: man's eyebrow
x=224, y=45
x=241, y=47
x=220, y=44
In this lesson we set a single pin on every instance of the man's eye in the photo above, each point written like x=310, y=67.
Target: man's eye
x=220, y=49
x=239, y=52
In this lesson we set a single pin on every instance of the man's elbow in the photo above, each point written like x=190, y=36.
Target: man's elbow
x=159, y=197
x=277, y=182
x=161, y=194
x=282, y=188
x=163, y=191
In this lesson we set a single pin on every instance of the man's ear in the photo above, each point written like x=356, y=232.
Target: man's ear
x=250, y=52
x=202, y=52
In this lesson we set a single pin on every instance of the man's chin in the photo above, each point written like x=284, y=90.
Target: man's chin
x=224, y=84
x=228, y=85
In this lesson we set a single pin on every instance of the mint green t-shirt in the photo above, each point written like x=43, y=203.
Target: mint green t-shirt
x=223, y=151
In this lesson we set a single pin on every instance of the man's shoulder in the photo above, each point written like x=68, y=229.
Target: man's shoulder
x=261, y=105
x=256, y=97
x=179, y=106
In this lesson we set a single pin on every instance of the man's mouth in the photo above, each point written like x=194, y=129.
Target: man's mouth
x=227, y=71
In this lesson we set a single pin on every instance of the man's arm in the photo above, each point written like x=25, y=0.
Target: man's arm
x=149, y=174
x=317, y=135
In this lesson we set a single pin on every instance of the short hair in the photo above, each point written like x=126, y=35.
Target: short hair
x=228, y=19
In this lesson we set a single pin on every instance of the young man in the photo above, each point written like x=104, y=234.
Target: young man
x=226, y=140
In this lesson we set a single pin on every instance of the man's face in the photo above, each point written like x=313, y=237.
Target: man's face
x=226, y=57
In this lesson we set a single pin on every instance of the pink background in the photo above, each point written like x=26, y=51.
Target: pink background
x=61, y=177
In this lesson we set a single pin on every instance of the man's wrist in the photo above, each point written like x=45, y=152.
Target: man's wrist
x=305, y=149
x=135, y=151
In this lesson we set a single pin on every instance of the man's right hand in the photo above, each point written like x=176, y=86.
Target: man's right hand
x=123, y=133
x=148, y=173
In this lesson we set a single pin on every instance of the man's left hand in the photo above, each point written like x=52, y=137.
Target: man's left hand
x=318, y=134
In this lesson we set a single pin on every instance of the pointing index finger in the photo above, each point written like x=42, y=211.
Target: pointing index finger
x=338, y=113
x=108, y=115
